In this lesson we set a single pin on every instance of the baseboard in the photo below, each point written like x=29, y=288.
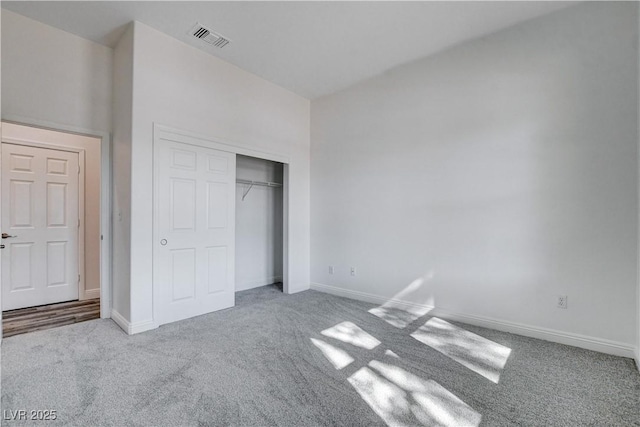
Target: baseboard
x=567, y=338
x=297, y=289
x=637, y=358
x=129, y=327
x=120, y=320
x=90, y=294
x=145, y=325
x=362, y=296
x=251, y=284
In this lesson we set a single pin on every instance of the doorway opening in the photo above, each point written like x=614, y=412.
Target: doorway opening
x=51, y=219
x=259, y=225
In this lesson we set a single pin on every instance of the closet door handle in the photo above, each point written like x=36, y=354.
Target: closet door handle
x=163, y=242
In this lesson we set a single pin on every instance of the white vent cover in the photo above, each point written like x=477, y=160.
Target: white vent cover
x=203, y=33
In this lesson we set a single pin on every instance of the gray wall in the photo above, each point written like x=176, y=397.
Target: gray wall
x=499, y=174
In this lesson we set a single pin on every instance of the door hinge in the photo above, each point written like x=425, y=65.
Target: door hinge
x=78, y=169
x=78, y=278
x=78, y=222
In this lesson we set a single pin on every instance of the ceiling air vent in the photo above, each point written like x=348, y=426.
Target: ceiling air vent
x=205, y=34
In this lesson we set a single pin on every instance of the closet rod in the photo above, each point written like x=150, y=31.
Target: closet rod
x=252, y=183
x=263, y=183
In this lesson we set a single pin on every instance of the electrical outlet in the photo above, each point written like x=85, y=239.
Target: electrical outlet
x=562, y=301
x=353, y=271
x=331, y=270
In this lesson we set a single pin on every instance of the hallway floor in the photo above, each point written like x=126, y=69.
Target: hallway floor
x=30, y=319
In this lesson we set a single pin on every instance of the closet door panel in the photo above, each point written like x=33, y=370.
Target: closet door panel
x=195, y=230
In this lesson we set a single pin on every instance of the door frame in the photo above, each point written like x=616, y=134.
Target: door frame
x=167, y=133
x=105, y=197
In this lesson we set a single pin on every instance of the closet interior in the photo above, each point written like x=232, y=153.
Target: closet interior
x=259, y=219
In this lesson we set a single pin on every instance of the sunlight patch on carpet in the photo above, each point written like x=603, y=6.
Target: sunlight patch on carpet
x=338, y=357
x=351, y=333
x=403, y=399
x=477, y=353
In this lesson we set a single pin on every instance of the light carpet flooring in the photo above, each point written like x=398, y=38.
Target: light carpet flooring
x=311, y=359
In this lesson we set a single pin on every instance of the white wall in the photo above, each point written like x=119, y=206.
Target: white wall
x=0, y=139
x=500, y=173
x=182, y=87
x=53, y=76
x=121, y=198
x=258, y=224
x=60, y=80
x=637, y=356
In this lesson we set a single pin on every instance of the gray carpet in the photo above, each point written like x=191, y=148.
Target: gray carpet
x=311, y=359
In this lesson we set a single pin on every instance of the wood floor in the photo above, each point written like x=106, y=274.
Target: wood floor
x=23, y=320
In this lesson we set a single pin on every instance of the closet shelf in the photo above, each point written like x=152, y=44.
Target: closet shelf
x=252, y=183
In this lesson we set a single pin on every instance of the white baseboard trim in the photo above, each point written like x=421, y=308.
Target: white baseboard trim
x=295, y=288
x=90, y=294
x=145, y=325
x=567, y=338
x=120, y=320
x=132, y=328
x=251, y=284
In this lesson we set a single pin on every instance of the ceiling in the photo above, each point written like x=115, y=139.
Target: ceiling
x=310, y=48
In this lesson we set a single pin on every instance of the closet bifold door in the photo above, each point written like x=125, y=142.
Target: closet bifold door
x=194, y=247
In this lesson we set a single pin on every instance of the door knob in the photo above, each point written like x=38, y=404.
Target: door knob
x=163, y=242
x=6, y=236
x=1, y=246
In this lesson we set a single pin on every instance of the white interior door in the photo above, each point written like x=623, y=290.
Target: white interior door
x=40, y=217
x=194, y=251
